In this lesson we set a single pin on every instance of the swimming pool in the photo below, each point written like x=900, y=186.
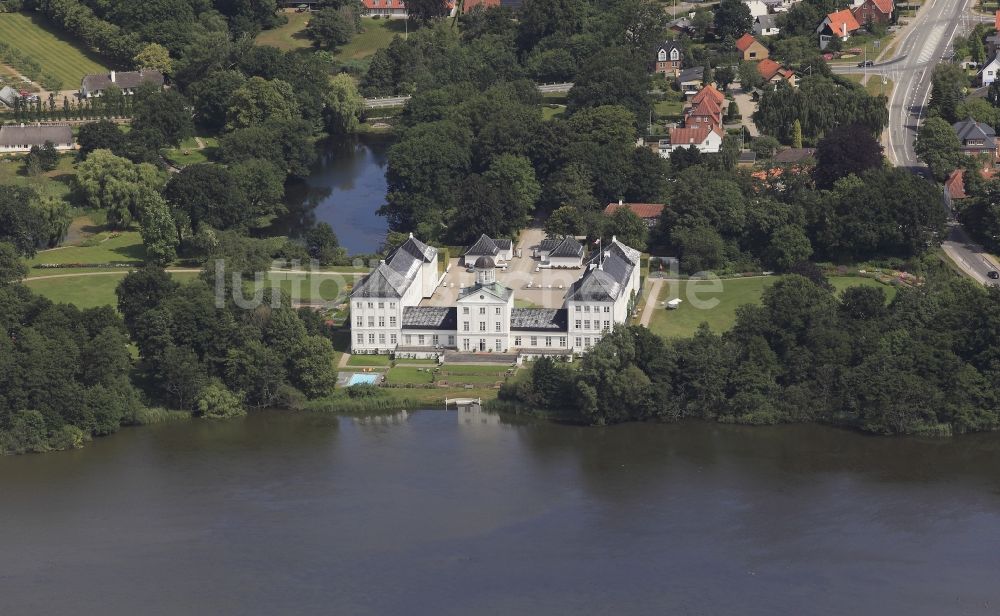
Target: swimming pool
x=362, y=379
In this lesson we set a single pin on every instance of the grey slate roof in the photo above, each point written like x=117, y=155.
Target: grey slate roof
x=766, y=22
x=970, y=129
x=485, y=246
x=494, y=288
x=123, y=79
x=794, y=155
x=11, y=135
x=568, y=247
x=606, y=278
x=430, y=317
x=667, y=46
x=549, y=243
x=695, y=73
x=538, y=319
x=394, y=275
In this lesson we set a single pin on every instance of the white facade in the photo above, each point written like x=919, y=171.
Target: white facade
x=711, y=144
x=386, y=316
x=990, y=71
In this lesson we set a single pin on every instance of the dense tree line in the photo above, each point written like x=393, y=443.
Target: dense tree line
x=728, y=220
x=926, y=363
x=819, y=104
x=193, y=344
x=64, y=372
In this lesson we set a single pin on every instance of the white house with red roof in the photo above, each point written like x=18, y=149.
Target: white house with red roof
x=839, y=24
x=649, y=213
x=707, y=139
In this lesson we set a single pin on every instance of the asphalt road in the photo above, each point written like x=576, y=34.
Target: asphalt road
x=925, y=42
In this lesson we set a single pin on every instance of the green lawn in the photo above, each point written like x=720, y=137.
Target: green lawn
x=288, y=36
x=375, y=34
x=58, y=57
x=684, y=321
x=551, y=111
x=668, y=108
x=313, y=287
x=86, y=291
x=55, y=183
x=368, y=360
x=401, y=375
x=107, y=247
x=874, y=85
x=874, y=45
x=190, y=154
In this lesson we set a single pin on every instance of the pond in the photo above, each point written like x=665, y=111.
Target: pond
x=435, y=512
x=346, y=188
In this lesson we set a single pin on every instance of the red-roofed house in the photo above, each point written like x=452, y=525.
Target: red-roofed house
x=648, y=212
x=710, y=92
x=750, y=48
x=840, y=24
x=772, y=72
x=954, y=187
x=707, y=139
x=874, y=11
x=705, y=112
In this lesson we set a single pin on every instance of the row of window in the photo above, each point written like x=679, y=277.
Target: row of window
x=392, y=305
x=482, y=310
x=360, y=321
x=497, y=326
x=534, y=341
x=435, y=339
x=580, y=308
x=585, y=324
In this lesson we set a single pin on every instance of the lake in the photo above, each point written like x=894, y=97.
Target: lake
x=437, y=513
x=345, y=189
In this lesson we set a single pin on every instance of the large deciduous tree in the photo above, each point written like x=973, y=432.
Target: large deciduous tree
x=939, y=147
x=845, y=150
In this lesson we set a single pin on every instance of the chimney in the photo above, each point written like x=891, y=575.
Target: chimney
x=620, y=202
x=613, y=239
x=112, y=76
x=411, y=235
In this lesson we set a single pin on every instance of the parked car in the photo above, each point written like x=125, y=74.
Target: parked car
x=993, y=274
x=866, y=63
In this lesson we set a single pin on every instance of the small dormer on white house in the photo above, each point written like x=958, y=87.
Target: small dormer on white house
x=989, y=73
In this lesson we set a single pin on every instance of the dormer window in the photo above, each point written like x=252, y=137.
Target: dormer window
x=662, y=56
x=674, y=54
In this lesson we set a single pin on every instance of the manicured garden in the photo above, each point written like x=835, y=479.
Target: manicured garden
x=33, y=37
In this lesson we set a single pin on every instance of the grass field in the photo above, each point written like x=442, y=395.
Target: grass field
x=375, y=34
x=119, y=247
x=874, y=85
x=86, y=291
x=55, y=183
x=58, y=57
x=684, y=321
x=551, y=111
x=368, y=360
x=189, y=153
x=668, y=108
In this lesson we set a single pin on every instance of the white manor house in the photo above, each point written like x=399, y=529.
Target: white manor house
x=395, y=309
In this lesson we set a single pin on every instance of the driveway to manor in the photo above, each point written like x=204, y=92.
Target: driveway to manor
x=545, y=288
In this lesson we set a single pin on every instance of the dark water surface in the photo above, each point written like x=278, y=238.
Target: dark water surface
x=306, y=514
x=345, y=189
